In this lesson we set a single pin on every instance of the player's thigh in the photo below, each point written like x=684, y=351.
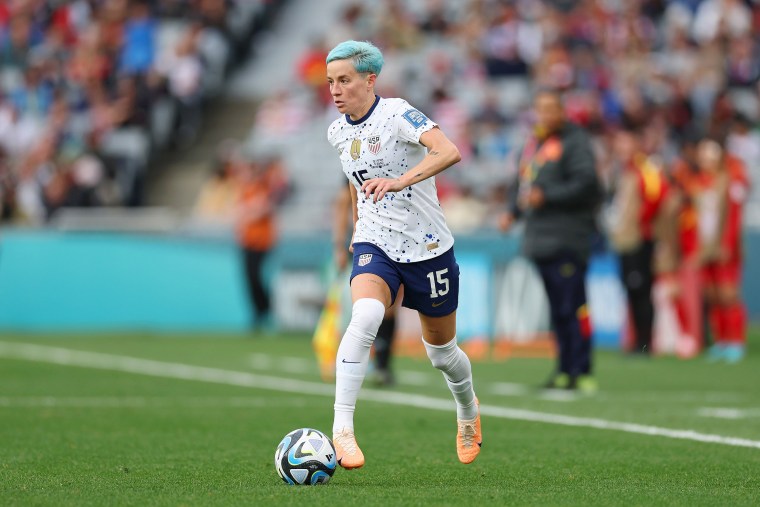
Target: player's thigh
x=368, y=285
x=439, y=330
x=373, y=275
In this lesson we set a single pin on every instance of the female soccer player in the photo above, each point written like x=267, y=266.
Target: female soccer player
x=400, y=237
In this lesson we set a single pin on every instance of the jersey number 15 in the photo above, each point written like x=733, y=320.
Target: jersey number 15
x=359, y=176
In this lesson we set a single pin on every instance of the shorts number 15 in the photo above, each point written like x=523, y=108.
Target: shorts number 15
x=439, y=285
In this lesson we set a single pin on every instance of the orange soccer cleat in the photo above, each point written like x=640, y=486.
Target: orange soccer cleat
x=469, y=438
x=347, y=451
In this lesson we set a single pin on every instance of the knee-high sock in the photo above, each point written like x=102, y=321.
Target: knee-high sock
x=457, y=371
x=353, y=357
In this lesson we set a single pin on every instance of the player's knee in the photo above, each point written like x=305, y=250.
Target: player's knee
x=441, y=356
x=366, y=316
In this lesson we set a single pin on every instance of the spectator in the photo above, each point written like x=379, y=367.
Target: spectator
x=139, y=40
x=36, y=95
x=311, y=70
x=182, y=68
x=504, y=43
x=721, y=18
x=743, y=142
x=219, y=196
x=435, y=20
x=18, y=40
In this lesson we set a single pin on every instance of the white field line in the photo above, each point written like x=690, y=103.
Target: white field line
x=287, y=364
x=729, y=413
x=143, y=402
x=261, y=362
x=297, y=365
x=125, y=364
x=519, y=390
x=414, y=378
x=509, y=389
x=300, y=365
x=559, y=395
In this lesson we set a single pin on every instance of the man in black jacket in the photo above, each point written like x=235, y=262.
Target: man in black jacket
x=558, y=195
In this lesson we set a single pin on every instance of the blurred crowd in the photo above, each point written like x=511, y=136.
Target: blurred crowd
x=90, y=90
x=674, y=71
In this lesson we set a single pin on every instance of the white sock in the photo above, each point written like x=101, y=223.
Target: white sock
x=457, y=371
x=353, y=358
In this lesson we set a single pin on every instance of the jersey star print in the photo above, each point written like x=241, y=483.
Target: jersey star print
x=408, y=225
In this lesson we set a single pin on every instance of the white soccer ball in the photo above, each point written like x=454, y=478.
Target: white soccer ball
x=305, y=457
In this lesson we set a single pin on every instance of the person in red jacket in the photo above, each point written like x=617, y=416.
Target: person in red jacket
x=723, y=187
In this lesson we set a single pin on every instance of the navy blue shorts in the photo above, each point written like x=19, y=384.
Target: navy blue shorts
x=431, y=287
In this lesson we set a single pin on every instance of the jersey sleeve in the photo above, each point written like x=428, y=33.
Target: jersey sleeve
x=332, y=134
x=411, y=123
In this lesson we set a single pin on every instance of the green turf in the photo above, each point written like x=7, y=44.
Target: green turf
x=80, y=436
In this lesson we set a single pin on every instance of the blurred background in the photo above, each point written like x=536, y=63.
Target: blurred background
x=157, y=155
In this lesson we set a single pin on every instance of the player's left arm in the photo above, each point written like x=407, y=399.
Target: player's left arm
x=442, y=154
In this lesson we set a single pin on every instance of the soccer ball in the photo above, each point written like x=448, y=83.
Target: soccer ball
x=305, y=457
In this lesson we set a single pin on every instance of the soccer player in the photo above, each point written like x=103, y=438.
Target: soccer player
x=641, y=192
x=400, y=237
x=723, y=189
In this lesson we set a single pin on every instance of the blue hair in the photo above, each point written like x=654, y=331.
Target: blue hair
x=363, y=54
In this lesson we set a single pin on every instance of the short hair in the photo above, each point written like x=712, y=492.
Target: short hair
x=363, y=54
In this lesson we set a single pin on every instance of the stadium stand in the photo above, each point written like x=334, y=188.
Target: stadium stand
x=92, y=90
x=472, y=65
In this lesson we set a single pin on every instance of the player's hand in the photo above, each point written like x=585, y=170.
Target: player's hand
x=381, y=186
x=505, y=221
x=533, y=199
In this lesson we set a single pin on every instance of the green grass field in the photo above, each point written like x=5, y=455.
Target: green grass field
x=98, y=429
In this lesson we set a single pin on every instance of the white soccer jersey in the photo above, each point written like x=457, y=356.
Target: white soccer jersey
x=408, y=225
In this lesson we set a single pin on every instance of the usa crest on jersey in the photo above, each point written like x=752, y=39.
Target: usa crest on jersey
x=364, y=259
x=373, y=143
